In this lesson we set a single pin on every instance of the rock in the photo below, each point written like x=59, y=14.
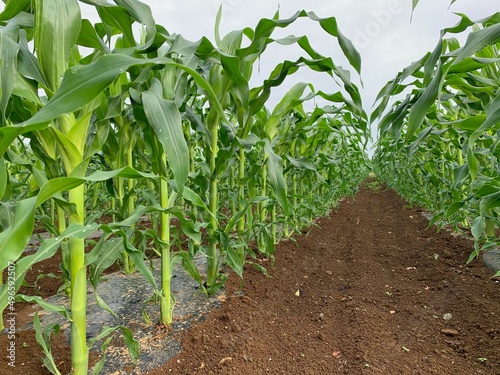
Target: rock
x=492, y=259
x=449, y=332
x=447, y=316
x=447, y=253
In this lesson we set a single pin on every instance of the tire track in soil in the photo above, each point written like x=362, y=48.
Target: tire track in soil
x=373, y=285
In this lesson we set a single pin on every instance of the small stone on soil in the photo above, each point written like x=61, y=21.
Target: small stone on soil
x=449, y=332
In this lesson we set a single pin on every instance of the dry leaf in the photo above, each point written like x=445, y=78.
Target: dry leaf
x=392, y=312
x=297, y=293
x=337, y=354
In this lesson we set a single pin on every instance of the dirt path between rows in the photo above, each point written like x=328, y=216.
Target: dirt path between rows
x=365, y=292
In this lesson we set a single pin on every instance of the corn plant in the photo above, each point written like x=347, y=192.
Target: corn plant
x=443, y=135
x=60, y=129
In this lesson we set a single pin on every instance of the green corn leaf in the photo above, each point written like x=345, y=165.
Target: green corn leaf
x=231, y=65
x=235, y=258
x=26, y=90
x=486, y=189
x=138, y=259
x=57, y=26
x=473, y=164
x=94, y=253
x=24, y=19
x=289, y=99
x=164, y=117
x=461, y=26
x=71, y=155
x=231, y=42
x=46, y=250
x=478, y=227
x=330, y=26
x=431, y=62
x=260, y=37
x=8, y=64
x=477, y=40
x=14, y=238
x=141, y=12
x=13, y=8
x=471, y=123
x=414, y=68
x=45, y=305
x=424, y=102
x=488, y=202
x=102, y=304
x=100, y=137
x=422, y=135
x=302, y=163
x=460, y=173
x=453, y=208
x=218, y=18
x=471, y=64
x=43, y=339
x=235, y=218
x=235, y=255
x=492, y=120
x=78, y=134
x=187, y=225
x=28, y=62
x=131, y=343
x=99, y=366
x=89, y=38
x=108, y=253
x=125, y=172
x=120, y=19
x=203, y=84
x=133, y=219
x=3, y=178
x=195, y=199
x=275, y=174
x=190, y=266
x=414, y=4
x=80, y=86
x=102, y=3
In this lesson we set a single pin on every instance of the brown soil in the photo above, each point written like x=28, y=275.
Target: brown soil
x=363, y=292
